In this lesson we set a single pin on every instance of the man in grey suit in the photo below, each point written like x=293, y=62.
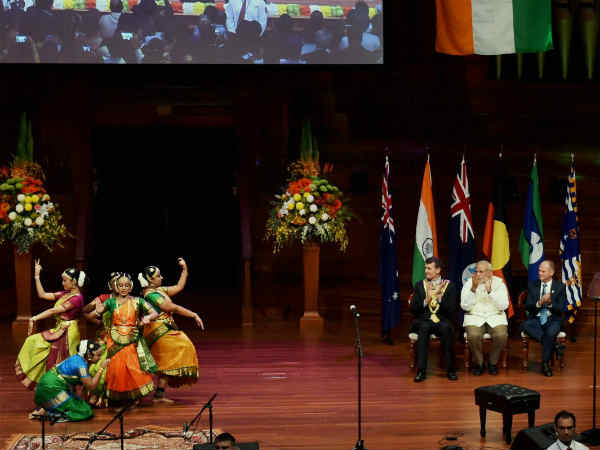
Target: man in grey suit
x=545, y=301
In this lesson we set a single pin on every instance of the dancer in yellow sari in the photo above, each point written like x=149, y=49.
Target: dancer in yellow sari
x=172, y=350
x=42, y=351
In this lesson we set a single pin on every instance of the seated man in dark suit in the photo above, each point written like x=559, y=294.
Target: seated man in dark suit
x=434, y=305
x=545, y=301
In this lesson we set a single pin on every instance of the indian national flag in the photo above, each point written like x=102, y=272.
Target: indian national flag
x=426, y=238
x=493, y=27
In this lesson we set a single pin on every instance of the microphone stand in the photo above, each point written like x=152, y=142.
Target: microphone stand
x=592, y=436
x=119, y=416
x=53, y=416
x=208, y=405
x=359, y=443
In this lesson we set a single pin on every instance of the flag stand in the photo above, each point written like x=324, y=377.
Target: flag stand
x=592, y=436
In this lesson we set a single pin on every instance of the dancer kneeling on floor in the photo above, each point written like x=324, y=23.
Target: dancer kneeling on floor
x=54, y=393
x=128, y=376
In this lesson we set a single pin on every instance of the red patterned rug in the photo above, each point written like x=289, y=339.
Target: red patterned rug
x=149, y=437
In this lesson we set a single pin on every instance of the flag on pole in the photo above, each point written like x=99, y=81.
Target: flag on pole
x=493, y=27
x=495, y=238
x=426, y=235
x=388, y=263
x=531, y=241
x=461, y=238
x=570, y=253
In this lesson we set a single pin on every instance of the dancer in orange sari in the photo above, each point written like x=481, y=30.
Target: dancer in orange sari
x=42, y=351
x=97, y=397
x=173, y=351
x=128, y=376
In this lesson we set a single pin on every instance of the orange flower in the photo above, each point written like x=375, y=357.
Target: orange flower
x=18, y=172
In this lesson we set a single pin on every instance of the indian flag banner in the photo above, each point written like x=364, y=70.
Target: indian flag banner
x=426, y=236
x=493, y=27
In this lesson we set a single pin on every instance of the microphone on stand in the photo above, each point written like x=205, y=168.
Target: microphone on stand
x=354, y=310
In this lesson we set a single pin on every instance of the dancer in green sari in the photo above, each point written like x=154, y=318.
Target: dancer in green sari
x=54, y=394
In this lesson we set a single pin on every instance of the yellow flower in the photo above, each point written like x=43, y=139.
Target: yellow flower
x=35, y=198
x=299, y=206
x=28, y=207
x=297, y=197
x=290, y=206
x=306, y=194
x=27, y=199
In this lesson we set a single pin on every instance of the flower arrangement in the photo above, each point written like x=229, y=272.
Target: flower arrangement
x=310, y=207
x=27, y=214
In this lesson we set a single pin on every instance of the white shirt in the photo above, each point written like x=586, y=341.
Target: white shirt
x=482, y=307
x=255, y=10
x=548, y=291
x=558, y=445
x=436, y=282
x=108, y=25
x=370, y=42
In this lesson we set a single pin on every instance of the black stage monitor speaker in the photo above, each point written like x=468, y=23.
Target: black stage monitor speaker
x=537, y=438
x=240, y=445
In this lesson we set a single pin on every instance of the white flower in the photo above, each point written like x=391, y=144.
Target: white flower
x=27, y=222
x=324, y=217
x=302, y=212
x=39, y=221
x=19, y=208
x=12, y=215
x=21, y=197
x=312, y=220
x=283, y=211
x=310, y=198
x=313, y=208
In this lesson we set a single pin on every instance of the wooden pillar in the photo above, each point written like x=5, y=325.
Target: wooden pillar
x=23, y=270
x=246, y=129
x=311, y=322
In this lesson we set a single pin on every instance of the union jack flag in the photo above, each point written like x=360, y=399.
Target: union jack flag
x=388, y=263
x=386, y=202
x=461, y=239
x=461, y=203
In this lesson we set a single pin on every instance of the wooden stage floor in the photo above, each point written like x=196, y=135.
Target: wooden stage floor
x=286, y=392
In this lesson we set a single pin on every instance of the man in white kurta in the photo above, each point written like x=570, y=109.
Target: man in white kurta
x=484, y=298
x=253, y=10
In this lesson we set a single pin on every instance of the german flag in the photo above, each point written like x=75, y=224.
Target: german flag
x=495, y=237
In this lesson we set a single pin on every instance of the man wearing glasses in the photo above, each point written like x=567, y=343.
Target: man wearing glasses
x=564, y=422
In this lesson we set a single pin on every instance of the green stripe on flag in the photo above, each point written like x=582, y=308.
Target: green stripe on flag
x=418, y=271
x=532, y=25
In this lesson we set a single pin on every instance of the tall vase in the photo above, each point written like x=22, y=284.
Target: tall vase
x=311, y=322
x=23, y=270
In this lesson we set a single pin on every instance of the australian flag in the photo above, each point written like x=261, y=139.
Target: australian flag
x=388, y=264
x=461, y=239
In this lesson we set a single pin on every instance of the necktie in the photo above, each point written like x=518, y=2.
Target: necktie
x=544, y=311
x=242, y=14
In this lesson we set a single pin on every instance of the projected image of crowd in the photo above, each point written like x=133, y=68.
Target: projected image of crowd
x=153, y=34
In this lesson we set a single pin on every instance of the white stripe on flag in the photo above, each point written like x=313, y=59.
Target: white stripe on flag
x=493, y=27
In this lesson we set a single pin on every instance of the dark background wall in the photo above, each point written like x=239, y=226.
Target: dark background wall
x=148, y=165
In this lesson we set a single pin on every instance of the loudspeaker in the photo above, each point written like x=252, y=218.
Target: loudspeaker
x=538, y=438
x=240, y=445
